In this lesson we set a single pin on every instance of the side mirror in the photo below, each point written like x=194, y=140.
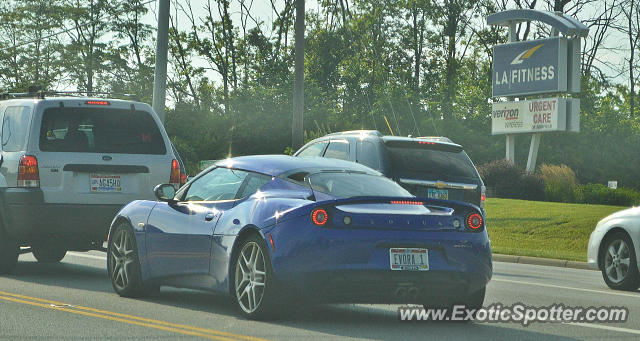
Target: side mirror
x=165, y=192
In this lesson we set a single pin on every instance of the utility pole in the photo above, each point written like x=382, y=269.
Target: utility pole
x=297, y=132
x=160, y=77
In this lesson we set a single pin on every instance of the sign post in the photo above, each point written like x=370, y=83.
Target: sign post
x=540, y=67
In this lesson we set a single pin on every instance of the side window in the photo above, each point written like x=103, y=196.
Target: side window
x=338, y=149
x=219, y=184
x=315, y=149
x=252, y=183
x=14, y=128
x=369, y=155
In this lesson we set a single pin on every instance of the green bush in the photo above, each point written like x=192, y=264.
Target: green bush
x=510, y=181
x=602, y=195
x=532, y=187
x=560, y=182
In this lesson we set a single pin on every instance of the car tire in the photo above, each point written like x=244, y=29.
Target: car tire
x=48, y=253
x=124, y=264
x=254, y=287
x=9, y=252
x=619, y=262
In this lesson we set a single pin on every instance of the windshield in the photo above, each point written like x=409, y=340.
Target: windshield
x=347, y=185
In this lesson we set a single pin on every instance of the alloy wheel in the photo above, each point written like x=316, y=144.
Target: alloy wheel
x=250, y=277
x=617, y=260
x=122, y=258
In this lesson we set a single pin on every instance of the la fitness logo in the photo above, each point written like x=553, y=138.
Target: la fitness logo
x=526, y=54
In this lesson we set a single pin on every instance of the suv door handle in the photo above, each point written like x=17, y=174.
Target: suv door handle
x=209, y=216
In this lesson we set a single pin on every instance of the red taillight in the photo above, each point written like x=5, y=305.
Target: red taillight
x=425, y=142
x=474, y=221
x=319, y=217
x=28, y=175
x=483, y=196
x=174, y=179
x=183, y=178
x=97, y=103
x=405, y=202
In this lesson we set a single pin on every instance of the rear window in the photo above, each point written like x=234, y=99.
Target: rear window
x=100, y=130
x=347, y=185
x=441, y=164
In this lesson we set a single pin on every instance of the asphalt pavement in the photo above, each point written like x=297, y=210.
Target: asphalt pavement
x=73, y=300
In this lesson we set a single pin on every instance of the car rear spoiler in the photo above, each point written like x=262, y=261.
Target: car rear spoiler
x=437, y=206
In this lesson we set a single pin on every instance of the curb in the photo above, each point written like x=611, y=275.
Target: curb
x=541, y=261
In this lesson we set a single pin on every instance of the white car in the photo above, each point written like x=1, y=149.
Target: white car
x=67, y=166
x=613, y=249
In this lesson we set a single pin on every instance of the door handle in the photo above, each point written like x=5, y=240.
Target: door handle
x=209, y=216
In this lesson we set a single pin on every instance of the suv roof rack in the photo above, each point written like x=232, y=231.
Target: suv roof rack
x=45, y=94
x=357, y=132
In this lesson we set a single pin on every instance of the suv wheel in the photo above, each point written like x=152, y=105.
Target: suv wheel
x=48, y=253
x=9, y=251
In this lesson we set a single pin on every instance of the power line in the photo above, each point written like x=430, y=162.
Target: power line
x=64, y=31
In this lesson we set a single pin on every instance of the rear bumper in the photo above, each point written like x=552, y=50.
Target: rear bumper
x=27, y=218
x=389, y=287
x=353, y=266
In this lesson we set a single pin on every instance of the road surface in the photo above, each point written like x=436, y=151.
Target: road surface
x=74, y=300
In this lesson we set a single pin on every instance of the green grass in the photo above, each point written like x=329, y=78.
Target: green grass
x=543, y=229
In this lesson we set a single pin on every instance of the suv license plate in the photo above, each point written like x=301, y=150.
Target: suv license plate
x=105, y=183
x=438, y=194
x=409, y=259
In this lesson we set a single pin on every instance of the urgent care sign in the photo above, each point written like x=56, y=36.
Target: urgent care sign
x=530, y=116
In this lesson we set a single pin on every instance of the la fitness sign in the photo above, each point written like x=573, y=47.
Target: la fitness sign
x=531, y=116
x=530, y=67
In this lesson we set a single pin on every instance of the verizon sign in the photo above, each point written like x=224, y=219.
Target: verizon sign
x=530, y=67
x=531, y=116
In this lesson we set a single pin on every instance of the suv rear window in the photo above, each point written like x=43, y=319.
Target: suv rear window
x=100, y=130
x=439, y=162
x=347, y=185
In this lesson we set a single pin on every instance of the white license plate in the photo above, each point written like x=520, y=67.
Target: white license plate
x=409, y=259
x=105, y=183
x=438, y=194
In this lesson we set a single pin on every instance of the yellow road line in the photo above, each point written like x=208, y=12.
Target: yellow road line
x=125, y=318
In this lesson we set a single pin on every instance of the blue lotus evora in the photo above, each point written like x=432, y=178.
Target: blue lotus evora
x=264, y=229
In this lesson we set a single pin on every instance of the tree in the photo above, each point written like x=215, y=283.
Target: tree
x=129, y=55
x=31, y=53
x=86, y=51
x=632, y=31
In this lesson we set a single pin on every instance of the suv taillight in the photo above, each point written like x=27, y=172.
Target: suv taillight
x=28, y=175
x=483, y=196
x=174, y=179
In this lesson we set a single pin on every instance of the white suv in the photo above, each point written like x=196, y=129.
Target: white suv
x=67, y=165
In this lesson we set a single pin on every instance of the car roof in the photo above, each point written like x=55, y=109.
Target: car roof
x=356, y=132
x=72, y=100
x=410, y=139
x=276, y=165
x=385, y=138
